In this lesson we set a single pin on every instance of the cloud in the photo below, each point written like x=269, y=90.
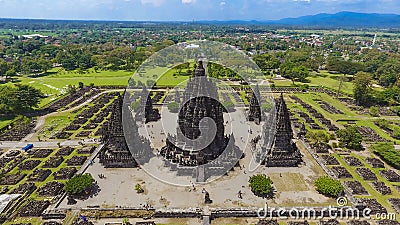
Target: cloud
x=222, y=3
x=188, y=1
x=152, y=2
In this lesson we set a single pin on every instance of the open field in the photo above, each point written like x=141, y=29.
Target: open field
x=321, y=79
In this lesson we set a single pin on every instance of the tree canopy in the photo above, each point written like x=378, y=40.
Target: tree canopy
x=266, y=61
x=78, y=184
x=329, y=187
x=362, y=88
x=261, y=185
x=318, y=137
x=18, y=98
x=293, y=72
x=388, y=153
x=350, y=137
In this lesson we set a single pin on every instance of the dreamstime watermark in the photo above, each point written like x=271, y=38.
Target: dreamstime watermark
x=341, y=212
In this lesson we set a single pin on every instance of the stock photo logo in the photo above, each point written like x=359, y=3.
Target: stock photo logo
x=195, y=132
x=341, y=211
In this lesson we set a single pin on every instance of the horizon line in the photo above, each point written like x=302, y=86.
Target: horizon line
x=194, y=20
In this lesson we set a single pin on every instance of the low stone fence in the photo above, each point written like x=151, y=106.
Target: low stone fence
x=178, y=213
x=54, y=214
x=97, y=213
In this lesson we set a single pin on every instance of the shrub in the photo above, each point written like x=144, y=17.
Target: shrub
x=350, y=138
x=78, y=184
x=173, y=107
x=329, y=187
x=138, y=188
x=388, y=153
x=396, y=132
x=261, y=185
x=374, y=111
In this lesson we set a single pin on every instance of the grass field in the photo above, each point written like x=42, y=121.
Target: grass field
x=54, y=84
x=171, y=79
x=4, y=121
x=321, y=79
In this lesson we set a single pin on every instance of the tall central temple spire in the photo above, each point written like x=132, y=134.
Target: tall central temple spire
x=200, y=101
x=200, y=71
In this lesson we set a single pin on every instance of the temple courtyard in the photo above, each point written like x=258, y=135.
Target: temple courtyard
x=294, y=187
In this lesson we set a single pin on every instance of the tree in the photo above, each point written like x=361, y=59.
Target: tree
x=80, y=85
x=293, y=72
x=299, y=73
x=374, y=111
x=10, y=73
x=19, y=98
x=71, y=89
x=27, y=97
x=3, y=67
x=342, y=66
x=350, y=137
x=266, y=61
x=138, y=188
x=173, y=107
x=78, y=184
x=7, y=99
x=261, y=185
x=44, y=65
x=318, y=137
x=362, y=88
x=388, y=73
x=329, y=187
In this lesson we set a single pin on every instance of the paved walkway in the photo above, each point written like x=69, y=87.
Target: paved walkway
x=45, y=144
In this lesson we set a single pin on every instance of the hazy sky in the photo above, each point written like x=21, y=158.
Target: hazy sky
x=157, y=10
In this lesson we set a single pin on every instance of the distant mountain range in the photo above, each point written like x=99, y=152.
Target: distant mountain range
x=341, y=19
x=337, y=20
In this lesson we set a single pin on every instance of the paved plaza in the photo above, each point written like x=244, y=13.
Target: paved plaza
x=294, y=186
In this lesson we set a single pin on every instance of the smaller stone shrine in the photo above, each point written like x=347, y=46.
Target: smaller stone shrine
x=255, y=108
x=147, y=112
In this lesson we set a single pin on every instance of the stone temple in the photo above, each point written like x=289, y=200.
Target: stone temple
x=115, y=152
x=188, y=148
x=147, y=112
x=255, y=109
x=282, y=152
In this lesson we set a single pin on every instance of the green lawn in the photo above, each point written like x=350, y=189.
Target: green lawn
x=331, y=81
x=172, y=79
x=320, y=79
x=4, y=121
x=55, y=123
